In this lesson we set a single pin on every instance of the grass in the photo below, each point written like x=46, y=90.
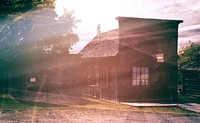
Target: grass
x=184, y=99
x=101, y=105
x=10, y=104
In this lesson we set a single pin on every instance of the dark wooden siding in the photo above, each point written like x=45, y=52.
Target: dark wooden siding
x=192, y=87
x=139, y=51
x=99, y=78
x=53, y=73
x=191, y=83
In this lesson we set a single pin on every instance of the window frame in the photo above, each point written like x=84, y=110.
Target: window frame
x=140, y=76
x=32, y=80
x=160, y=57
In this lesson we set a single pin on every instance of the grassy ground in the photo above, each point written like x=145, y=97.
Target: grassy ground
x=94, y=111
x=122, y=107
x=10, y=104
x=184, y=99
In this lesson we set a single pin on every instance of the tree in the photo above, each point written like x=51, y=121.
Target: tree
x=190, y=56
x=32, y=27
x=28, y=28
x=20, y=6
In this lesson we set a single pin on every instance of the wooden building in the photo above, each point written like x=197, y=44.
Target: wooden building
x=136, y=62
x=190, y=80
x=53, y=73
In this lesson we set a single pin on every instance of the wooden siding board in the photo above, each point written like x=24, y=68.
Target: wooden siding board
x=191, y=83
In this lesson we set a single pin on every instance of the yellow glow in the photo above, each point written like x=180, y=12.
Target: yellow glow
x=93, y=12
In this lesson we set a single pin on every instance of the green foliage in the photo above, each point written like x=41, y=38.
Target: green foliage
x=36, y=30
x=8, y=7
x=46, y=3
x=62, y=44
x=190, y=56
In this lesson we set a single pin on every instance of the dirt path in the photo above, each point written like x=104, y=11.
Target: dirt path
x=94, y=116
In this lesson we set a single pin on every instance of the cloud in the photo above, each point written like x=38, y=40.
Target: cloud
x=187, y=10
x=189, y=33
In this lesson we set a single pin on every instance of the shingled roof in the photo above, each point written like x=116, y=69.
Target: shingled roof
x=104, y=45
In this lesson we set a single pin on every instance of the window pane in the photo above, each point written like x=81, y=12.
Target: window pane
x=138, y=77
x=138, y=82
x=147, y=82
x=134, y=70
x=134, y=76
x=147, y=76
x=138, y=70
x=143, y=70
x=160, y=57
x=143, y=82
x=147, y=70
x=32, y=79
x=143, y=76
x=134, y=82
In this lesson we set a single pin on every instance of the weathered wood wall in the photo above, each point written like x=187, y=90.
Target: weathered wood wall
x=191, y=83
x=99, y=78
x=138, y=46
x=52, y=73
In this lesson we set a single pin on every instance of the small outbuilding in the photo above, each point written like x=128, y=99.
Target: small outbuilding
x=190, y=80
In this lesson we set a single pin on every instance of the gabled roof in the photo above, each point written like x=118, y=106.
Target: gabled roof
x=192, y=66
x=104, y=45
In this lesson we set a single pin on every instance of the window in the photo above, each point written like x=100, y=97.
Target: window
x=160, y=57
x=140, y=76
x=32, y=79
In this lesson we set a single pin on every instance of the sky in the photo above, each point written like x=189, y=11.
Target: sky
x=103, y=12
